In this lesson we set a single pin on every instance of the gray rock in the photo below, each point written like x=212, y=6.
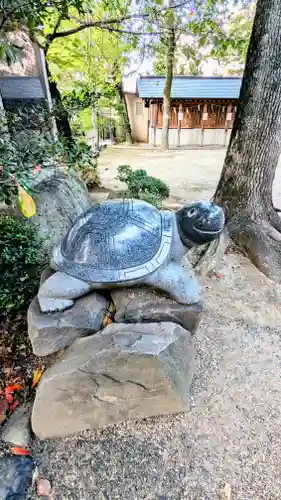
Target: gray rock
x=142, y=305
x=49, y=333
x=60, y=198
x=46, y=273
x=206, y=258
x=17, y=430
x=124, y=372
x=16, y=476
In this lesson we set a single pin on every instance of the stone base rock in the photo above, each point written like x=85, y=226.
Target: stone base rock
x=124, y=372
x=51, y=332
x=142, y=305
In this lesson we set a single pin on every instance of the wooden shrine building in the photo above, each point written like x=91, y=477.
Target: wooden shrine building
x=202, y=110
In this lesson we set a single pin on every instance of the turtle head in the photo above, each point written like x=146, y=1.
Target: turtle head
x=200, y=222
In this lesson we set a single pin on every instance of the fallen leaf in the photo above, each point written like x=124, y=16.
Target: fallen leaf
x=17, y=450
x=14, y=405
x=219, y=276
x=226, y=492
x=9, y=397
x=3, y=409
x=37, y=375
x=13, y=388
x=107, y=321
x=44, y=488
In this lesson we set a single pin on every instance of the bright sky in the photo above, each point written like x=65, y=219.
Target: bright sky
x=130, y=83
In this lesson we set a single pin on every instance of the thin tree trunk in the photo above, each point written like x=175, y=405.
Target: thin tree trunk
x=171, y=47
x=61, y=117
x=125, y=113
x=245, y=186
x=95, y=136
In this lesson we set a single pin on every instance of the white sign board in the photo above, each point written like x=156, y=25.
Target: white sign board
x=205, y=116
x=229, y=117
x=180, y=116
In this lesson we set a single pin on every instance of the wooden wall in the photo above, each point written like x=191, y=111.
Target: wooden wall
x=196, y=114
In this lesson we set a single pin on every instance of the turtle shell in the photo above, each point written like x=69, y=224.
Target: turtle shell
x=116, y=241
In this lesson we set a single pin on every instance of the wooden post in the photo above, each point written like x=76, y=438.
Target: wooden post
x=180, y=117
x=155, y=116
x=204, y=119
x=148, y=121
x=227, y=119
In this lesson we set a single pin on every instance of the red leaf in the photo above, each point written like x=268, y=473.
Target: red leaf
x=9, y=397
x=219, y=276
x=14, y=405
x=13, y=388
x=16, y=450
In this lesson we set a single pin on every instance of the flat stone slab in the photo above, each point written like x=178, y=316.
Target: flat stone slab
x=51, y=332
x=137, y=305
x=123, y=372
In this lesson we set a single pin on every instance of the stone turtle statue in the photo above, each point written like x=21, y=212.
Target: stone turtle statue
x=122, y=243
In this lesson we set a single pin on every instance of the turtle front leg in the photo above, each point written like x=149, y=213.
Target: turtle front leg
x=173, y=279
x=58, y=291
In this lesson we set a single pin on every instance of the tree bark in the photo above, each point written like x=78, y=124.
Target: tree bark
x=62, y=118
x=171, y=48
x=245, y=185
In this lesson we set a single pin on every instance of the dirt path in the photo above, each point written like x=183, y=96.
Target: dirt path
x=190, y=174
x=232, y=433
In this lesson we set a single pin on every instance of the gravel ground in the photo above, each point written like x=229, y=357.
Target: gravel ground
x=190, y=174
x=231, y=438
x=228, y=446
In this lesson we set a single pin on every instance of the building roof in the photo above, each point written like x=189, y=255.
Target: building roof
x=21, y=87
x=190, y=87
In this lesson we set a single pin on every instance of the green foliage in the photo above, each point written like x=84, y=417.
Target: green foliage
x=82, y=159
x=142, y=186
x=21, y=262
x=24, y=153
x=216, y=30
x=90, y=175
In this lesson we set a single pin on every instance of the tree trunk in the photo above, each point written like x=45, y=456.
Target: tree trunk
x=245, y=186
x=124, y=113
x=95, y=134
x=61, y=116
x=171, y=47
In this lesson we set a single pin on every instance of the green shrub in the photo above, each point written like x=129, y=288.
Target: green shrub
x=82, y=159
x=90, y=175
x=143, y=186
x=21, y=263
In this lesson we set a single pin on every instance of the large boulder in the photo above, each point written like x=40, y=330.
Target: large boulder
x=60, y=197
x=142, y=305
x=124, y=372
x=51, y=332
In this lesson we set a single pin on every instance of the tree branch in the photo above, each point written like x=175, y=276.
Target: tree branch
x=106, y=22
x=125, y=32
